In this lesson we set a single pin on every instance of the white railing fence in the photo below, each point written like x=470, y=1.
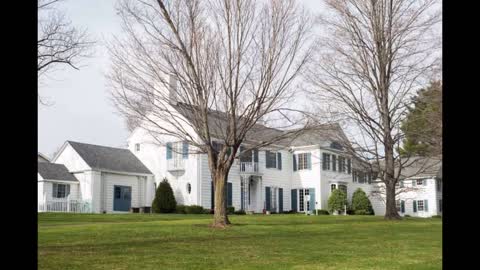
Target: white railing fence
x=175, y=164
x=249, y=167
x=65, y=205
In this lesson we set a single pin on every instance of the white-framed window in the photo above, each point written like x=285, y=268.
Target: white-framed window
x=137, y=147
x=303, y=161
x=301, y=199
x=343, y=188
x=60, y=190
x=326, y=161
x=420, y=205
x=333, y=187
x=419, y=182
x=341, y=164
x=398, y=204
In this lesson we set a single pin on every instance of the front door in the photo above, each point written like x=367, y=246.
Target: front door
x=122, y=198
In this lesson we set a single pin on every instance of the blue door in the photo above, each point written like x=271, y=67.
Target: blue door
x=122, y=198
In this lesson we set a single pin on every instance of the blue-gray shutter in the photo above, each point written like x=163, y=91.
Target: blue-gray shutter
x=309, y=161
x=54, y=190
x=279, y=160
x=242, y=198
x=294, y=162
x=414, y=206
x=229, y=194
x=402, y=206
x=169, y=150
x=280, y=200
x=311, y=192
x=267, y=198
x=255, y=155
x=185, y=150
x=67, y=190
x=268, y=162
x=425, y=203
x=294, y=199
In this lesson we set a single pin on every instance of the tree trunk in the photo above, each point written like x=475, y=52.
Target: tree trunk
x=220, y=217
x=391, y=207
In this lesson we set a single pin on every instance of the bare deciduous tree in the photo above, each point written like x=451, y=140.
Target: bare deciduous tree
x=374, y=57
x=59, y=42
x=212, y=71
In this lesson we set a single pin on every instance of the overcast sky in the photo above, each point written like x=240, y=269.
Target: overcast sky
x=81, y=109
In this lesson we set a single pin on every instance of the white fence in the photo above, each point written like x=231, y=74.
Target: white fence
x=65, y=205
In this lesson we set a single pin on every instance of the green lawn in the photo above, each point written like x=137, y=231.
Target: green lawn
x=142, y=241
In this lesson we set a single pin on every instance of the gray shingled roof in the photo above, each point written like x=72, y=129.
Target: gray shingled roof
x=217, y=123
x=420, y=167
x=52, y=171
x=109, y=158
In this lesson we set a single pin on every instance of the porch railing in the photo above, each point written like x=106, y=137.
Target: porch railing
x=175, y=164
x=65, y=205
x=249, y=167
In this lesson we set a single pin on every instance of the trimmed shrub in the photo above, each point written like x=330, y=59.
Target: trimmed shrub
x=323, y=212
x=361, y=212
x=164, y=201
x=337, y=201
x=230, y=210
x=360, y=201
x=194, y=209
x=208, y=211
x=437, y=216
x=407, y=216
x=180, y=209
x=289, y=212
x=240, y=212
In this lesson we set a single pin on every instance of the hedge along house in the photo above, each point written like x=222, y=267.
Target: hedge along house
x=109, y=179
x=419, y=192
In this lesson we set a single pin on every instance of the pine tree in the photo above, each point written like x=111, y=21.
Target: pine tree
x=164, y=201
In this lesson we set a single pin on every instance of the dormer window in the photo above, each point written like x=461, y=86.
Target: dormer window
x=336, y=145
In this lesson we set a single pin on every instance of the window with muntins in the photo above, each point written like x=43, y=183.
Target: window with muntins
x=341, y=164
x=304, y=161
x=334, y=163
x=326, y=161
x=420, y=206
x=60, y=190
x=270, y=159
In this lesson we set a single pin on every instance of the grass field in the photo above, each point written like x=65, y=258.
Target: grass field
x=138, y=241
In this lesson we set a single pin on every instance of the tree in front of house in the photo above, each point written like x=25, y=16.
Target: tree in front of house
x=373, y=58
x=423, y=124
x=164, y=201
x=211, y=71
x=360, y=203
x=337, y=201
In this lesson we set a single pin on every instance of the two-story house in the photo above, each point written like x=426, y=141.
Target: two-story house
x=275, y=178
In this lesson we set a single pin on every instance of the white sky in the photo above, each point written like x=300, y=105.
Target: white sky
x=81, y=109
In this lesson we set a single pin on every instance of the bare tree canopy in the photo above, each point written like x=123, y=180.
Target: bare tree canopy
x=59, y=42
x=212, y=71
x=371, y=61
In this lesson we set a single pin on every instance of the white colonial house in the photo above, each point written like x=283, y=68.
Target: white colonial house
x=297, y=174
x=419, y=193
x=276, y=178
x=92, y=178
